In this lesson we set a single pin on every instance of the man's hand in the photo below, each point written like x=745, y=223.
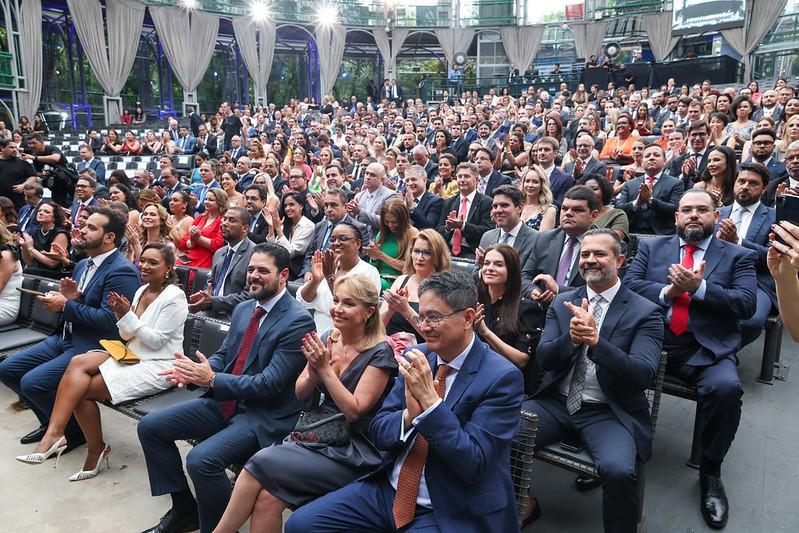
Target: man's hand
x=187, y=372
x=53, y=301
x=582, y=326
x=685, y=279
x=644, y=194
x=68, y=287
x=201, y=299
x=453, y=221
x=418, y=377
x=689, y=167
x=479, y=256
x=160, y=191
x=727, y=231
x=579, y=166
x=354, y=207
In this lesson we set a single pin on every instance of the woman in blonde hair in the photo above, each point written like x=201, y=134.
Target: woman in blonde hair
x=352, y=365
x=539, y=211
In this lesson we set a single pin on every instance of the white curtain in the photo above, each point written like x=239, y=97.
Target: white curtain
x=658, y=29
x=746, y=39
x=330, y=41
x=588, y=37
x=390, y=48
x=30, y=26
x=256, y=41
x=521, y=44
x=111, y=62
x=454, y=40
x=188, y=39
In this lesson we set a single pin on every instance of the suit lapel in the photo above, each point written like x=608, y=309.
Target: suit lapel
x=712, y=257
x=465, y=375
x=614, y=312
x=272, y=318
x=758, y=218
x=96, y=276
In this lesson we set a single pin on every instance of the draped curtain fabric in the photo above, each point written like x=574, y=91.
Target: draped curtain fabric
x=256, y=41
x=330, y=41
x=454, y=40
x=745, y=40
x=658, y=29
x=390, y=48
x=30, y=26
x=521, y=44
x=111, y=59
x=588, y=37
x=189, y=39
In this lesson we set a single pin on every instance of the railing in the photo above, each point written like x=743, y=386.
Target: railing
x=786, y=30
x=6, y=72
x=435, y=87
x=623, y=8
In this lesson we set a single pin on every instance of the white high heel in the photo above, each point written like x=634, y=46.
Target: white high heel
x=88, y=474
x=38, y=458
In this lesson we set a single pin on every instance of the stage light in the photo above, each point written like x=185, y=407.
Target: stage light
x=189, y=4
x=259, y=10
x=326, y=14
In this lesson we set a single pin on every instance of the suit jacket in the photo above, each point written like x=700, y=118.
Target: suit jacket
x=258, y=229
x=495, y=180
x=431, y=168
x=236, y=153
x=544, y=259
x=674, y=168
x=194, y=124
x=96, y=165
x=731, y=293
x=274, y=362
x=29, y=212
x=91, y=317
x=73, y=211
x=778, y=173
x=178, y=187
x=236, y=290
x=427, y=212
x=658, y=216
x=467, y=470
x=461, y=149
x=319, y=236
x=188, y=144
x=559, y=183
x=594, y=166
x=627, y=356
x=756, y=239
x=478, y=221
x=210, y=146
x=523, y=244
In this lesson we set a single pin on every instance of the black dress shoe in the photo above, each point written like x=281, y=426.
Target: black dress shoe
x=584, y=483
x=535, y=515
x=172, y=522
x=34, y=436
x=715, y=508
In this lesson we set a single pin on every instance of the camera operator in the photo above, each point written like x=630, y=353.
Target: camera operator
x=57, y=174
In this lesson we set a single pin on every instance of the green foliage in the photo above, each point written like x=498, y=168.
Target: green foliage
x=354, y=77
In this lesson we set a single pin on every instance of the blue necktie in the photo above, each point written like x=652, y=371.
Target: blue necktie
x=223, y=272
x=201, y=196
x=326, y=239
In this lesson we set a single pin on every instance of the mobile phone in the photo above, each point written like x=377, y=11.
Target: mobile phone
x=787, y=209
x=30, y=291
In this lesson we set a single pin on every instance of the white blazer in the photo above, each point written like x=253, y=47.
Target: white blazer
x=301, y=238
x=158, y=333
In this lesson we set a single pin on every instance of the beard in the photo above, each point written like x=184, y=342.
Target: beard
x=88, y=244
x=694, y=234
x=592, y=276
x=264, y=293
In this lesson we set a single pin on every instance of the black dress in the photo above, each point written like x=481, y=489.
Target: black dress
x=42, y=242
x=398, y=323
x=300, y=472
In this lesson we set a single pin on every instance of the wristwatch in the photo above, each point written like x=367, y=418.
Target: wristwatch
x=211, y=381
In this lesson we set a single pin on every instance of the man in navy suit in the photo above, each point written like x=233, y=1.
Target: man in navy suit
x=424, y=207
x=447, y=442
x=88, y=161
x=559, y=181
x=690, y=166
x=250, y=403
x=763, y=142
x=460, y=145
x=707, y=286
x=585, y=163
x=487, y=178
x=185, y=142
x=747, y=222
x=335, y=206
x=466, y=216
x=85, y=188
x=34, y=373
x=651, y=200
x=506, y=211
x=601, y=349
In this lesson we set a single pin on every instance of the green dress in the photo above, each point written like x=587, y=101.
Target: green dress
x=390, y=247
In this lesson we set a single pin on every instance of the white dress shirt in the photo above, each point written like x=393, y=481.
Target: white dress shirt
x=699, y=295
x=746, y=218
x=592, y=392
x=423, y=496
x=88, y=273
x=513, y=234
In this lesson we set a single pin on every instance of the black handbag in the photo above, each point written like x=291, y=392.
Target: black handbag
x=315, y=427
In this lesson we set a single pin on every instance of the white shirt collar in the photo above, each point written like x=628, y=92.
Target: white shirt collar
x=99, y=259
x=271, y=302
x=236, y=246
x=607, y=294
x=514, y=232
x=470, y=196
x=751, y=208
x=457, y=363
x=702, y=245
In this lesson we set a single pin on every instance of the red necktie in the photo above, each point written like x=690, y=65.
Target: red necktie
x=679, y=309
x=650, y=180
x=411, y=471
x=228, y=407
x=457, y=237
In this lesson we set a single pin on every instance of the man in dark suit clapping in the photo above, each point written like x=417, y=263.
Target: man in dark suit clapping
x=425, y=207
x=707, y=286
x=466, y=216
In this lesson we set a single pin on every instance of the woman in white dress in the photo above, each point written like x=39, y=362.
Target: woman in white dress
x=153, y=328
x=10, y=278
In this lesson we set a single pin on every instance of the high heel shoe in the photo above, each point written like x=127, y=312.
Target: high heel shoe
x=56, y=449
x=88, y=474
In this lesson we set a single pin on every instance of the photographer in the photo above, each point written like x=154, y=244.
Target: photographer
x=57, y=174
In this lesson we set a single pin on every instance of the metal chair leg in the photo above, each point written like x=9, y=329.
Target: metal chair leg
x=696, y=444
x=771, y=348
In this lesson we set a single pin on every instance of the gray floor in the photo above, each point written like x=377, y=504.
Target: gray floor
x=761, y=473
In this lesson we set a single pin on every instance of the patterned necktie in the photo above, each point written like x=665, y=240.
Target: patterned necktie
x=411, y=471
x=679, y=308
x=228, y=407
x=575, y=397
x=565, y=261
x=457, y=236
x=326, y=238
x=505, y=238
x=220, y=279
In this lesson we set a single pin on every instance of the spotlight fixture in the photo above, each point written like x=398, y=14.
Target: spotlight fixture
x=189, y=4
x=259, y=10
x=326, y=14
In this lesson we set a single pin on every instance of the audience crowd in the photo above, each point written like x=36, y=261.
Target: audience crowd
x=429, y=268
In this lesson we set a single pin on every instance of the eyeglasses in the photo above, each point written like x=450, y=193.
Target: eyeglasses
x=342, y=238
x=762, y=143
x=422, y=253
x=435, y=320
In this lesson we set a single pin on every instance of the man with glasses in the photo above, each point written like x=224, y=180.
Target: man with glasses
x=446, y=428
x=311, y=203
x=597, y=373
x=706, y=286
x=791, y=178
x=763, y=140
x=488, y=178
x=84, y=197
x=690, y=167
x=366, y=205
x=424, y=207
x=335, y=209
x=585, y=163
